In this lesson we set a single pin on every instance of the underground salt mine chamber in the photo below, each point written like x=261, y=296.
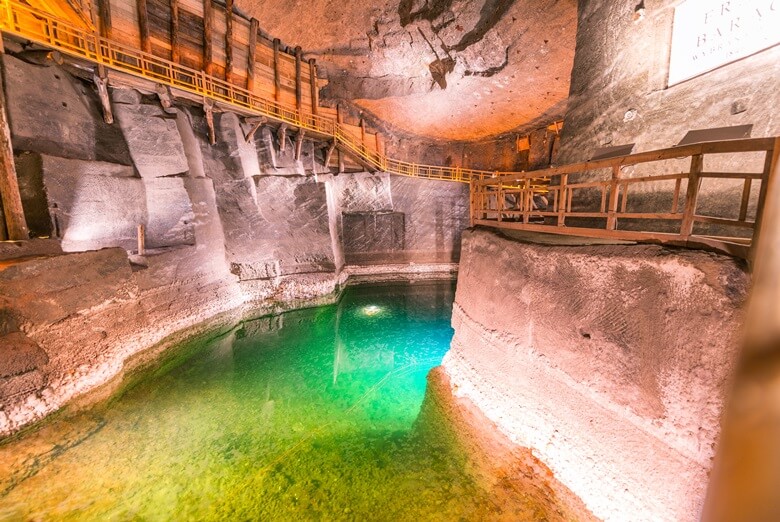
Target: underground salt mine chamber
x=489, y=260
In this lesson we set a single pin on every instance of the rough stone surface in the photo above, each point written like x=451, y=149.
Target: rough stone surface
x=153, y=139
x=59, y=116
x=611, y=363
x=448, y=69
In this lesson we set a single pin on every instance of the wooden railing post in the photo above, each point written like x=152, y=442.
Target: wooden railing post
x=562, y=196
x=614, y=191
x=770, y=184
x=691, y=196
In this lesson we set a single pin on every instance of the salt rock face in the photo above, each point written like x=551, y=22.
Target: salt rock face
x=611, y=363
x=153, y=139
x=449, y=69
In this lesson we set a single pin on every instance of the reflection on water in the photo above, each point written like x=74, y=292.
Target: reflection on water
x=311, y=414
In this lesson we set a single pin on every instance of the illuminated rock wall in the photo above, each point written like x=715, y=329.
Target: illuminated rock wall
x=240, y=227
x=610, y=363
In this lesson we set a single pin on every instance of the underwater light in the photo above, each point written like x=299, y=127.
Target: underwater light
x=370, y=310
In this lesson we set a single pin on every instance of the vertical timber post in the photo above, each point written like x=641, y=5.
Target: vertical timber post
x=614, y=189
x=143, y=26
x=743, y=484
x=339, y=121
x=251, y=55
x=298, y=84
x=315, y=92
x=229, y=41
x=104, y=14
x=691, y=196
x=208, y=41
x=277, y=77
x=13, y=211
x=175, y=46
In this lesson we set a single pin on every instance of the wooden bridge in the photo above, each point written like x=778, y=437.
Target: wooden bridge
x=172, y=43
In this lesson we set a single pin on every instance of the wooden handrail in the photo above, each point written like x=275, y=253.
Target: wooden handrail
x=489, y=198
x=44, y=28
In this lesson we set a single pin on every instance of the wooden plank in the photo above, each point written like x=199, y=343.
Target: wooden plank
x=743, y=207
x=731, y=175
x=229, y=41
x=143, y=26
x=315, y=93
x=101, y=82
x=298, y=82
x=277, y=76
x=13, y=211
x=691, y=196
x=104, y=12
x=723, y=221
x=208, y=34
x=339, y=124
x=613, y=198
x=175, y=45
x=770, y=185
x=254, y=25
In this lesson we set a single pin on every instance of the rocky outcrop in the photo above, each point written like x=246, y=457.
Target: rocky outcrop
x=237, y=228
x=611, y=363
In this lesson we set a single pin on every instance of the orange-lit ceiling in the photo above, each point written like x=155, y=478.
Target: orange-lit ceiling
x=445, y=69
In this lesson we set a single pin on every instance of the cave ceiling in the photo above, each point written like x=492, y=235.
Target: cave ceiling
x=443, y=69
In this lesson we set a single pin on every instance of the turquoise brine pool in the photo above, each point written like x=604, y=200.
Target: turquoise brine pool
x=310, y=415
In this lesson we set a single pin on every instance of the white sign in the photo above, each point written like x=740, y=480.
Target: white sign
x=711, y=33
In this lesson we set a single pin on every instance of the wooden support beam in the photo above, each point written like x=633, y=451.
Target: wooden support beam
x=256, y=124
x=208, y=37
x=15, y=222
x=143, y=26
x=277, y=75
x=164, y=94
x=100, y=77
x=691, y=195
x=329, y=154
x=299, y=144
x=175, y=45
x=104, y=14
x=208, y=109
x=251, y=55
x=141, y=229
x=363, y=135
x=340, y=120
x=298, y=85
x=315, y=92
x=614, y=190
x=282, y=134
x=229, y=41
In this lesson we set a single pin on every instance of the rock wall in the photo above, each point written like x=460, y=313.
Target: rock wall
x=610, y=363
x=236, y=228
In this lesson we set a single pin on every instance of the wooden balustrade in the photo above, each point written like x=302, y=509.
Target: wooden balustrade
x=507, y=201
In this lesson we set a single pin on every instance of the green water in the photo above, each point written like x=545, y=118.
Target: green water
x=311, y=415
